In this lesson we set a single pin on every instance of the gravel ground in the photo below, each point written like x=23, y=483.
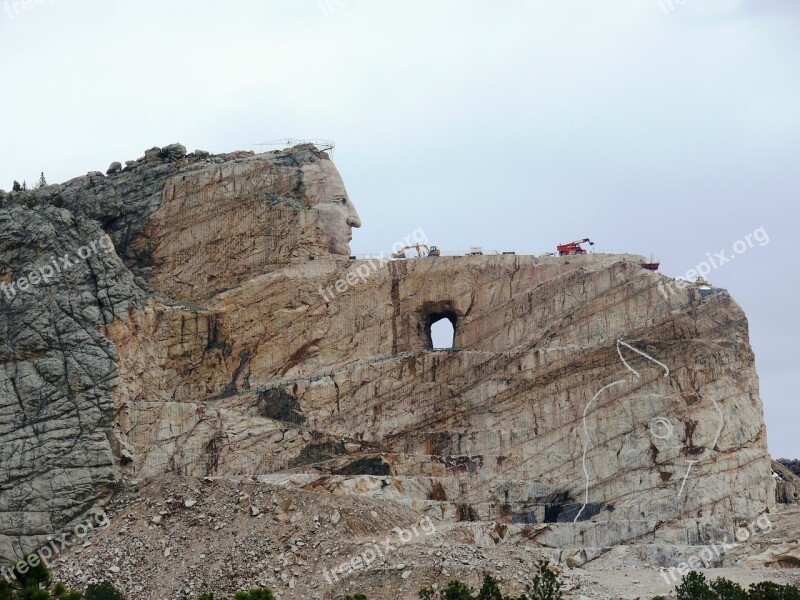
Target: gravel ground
x=173, y=537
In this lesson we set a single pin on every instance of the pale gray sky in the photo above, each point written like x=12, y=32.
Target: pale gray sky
x=509, y=124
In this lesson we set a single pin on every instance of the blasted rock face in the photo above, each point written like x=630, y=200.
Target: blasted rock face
x=76, y=257
x=584, y=412
x=230, y=335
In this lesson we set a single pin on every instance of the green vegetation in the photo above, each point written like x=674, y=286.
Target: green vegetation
x=767, y=590
x=724, y=588
x=490, y=590
x=546, y=585
x=694, y=586
x=254, y=594
x=103, y=591
x=34, y=583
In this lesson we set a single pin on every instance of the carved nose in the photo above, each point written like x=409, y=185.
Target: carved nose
x=353, y=221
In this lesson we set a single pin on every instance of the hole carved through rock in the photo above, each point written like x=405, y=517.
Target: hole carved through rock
x=441, y=331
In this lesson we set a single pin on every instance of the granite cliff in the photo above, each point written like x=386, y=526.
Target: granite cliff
x=212, y=324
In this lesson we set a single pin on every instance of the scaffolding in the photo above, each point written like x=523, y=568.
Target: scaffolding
x=321, y=145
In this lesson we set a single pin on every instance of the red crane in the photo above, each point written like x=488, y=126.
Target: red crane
x=573, y=247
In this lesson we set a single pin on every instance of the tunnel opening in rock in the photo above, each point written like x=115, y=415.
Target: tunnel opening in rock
x=441, y=331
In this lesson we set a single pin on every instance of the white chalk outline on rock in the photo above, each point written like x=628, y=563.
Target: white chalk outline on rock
x=587, y=439
x=586, y=444
x=647, y=356
x=666, y=423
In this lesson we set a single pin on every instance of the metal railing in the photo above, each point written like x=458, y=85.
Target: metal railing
x=321, y=145
x=412, y=254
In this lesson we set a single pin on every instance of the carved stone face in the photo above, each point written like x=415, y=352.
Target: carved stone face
x=337, y=215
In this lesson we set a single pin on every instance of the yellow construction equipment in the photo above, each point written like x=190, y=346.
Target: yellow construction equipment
x=702, y=282
x=422, y=250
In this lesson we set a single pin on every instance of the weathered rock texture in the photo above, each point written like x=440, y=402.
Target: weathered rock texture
x=57, y=372
x=588, y=406
x=57, y=368
x=272, y=378
x=787, y=483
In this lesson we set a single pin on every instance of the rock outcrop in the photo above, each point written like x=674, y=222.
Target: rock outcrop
x=792, y=465
x=787, y=483
x=345, y=393
x=588, y=404
x=57, y=370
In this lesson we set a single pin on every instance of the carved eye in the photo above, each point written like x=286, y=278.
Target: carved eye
x=661, y=428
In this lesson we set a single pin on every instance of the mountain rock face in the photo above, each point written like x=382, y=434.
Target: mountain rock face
x=588, y=404
x=57, y=371
x=787, y=482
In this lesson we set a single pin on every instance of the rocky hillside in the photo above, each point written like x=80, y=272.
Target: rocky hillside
x=172, y=535
x=218, y=328
x=792, y=464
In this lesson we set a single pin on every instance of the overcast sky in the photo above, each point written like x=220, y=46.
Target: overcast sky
x=506, y=124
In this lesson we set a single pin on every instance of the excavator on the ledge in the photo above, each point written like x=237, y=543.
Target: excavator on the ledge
x=422, y=250
x=573, y=247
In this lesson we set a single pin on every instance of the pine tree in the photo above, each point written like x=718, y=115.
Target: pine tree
x=546, y=584
x=490, y=589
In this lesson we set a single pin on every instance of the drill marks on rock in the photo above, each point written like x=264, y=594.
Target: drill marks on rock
x=395, y=295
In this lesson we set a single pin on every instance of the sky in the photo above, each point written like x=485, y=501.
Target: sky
x=668, y=127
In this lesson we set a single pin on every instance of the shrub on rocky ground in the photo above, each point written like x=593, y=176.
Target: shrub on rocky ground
x=254, y=594
x=546, y=585
x=694, y=586
x=36, y=583
x=103, y=591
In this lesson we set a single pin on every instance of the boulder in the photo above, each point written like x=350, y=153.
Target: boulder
x=174, y=152
x=153, y=154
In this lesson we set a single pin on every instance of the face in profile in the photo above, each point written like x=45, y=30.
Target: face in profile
x=337, y=215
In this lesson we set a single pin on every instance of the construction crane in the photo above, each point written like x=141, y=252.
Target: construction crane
x=422, y=250
x=573, y=247
x=652, y=265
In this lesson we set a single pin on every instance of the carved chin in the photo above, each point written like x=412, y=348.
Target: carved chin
x=339, y=247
